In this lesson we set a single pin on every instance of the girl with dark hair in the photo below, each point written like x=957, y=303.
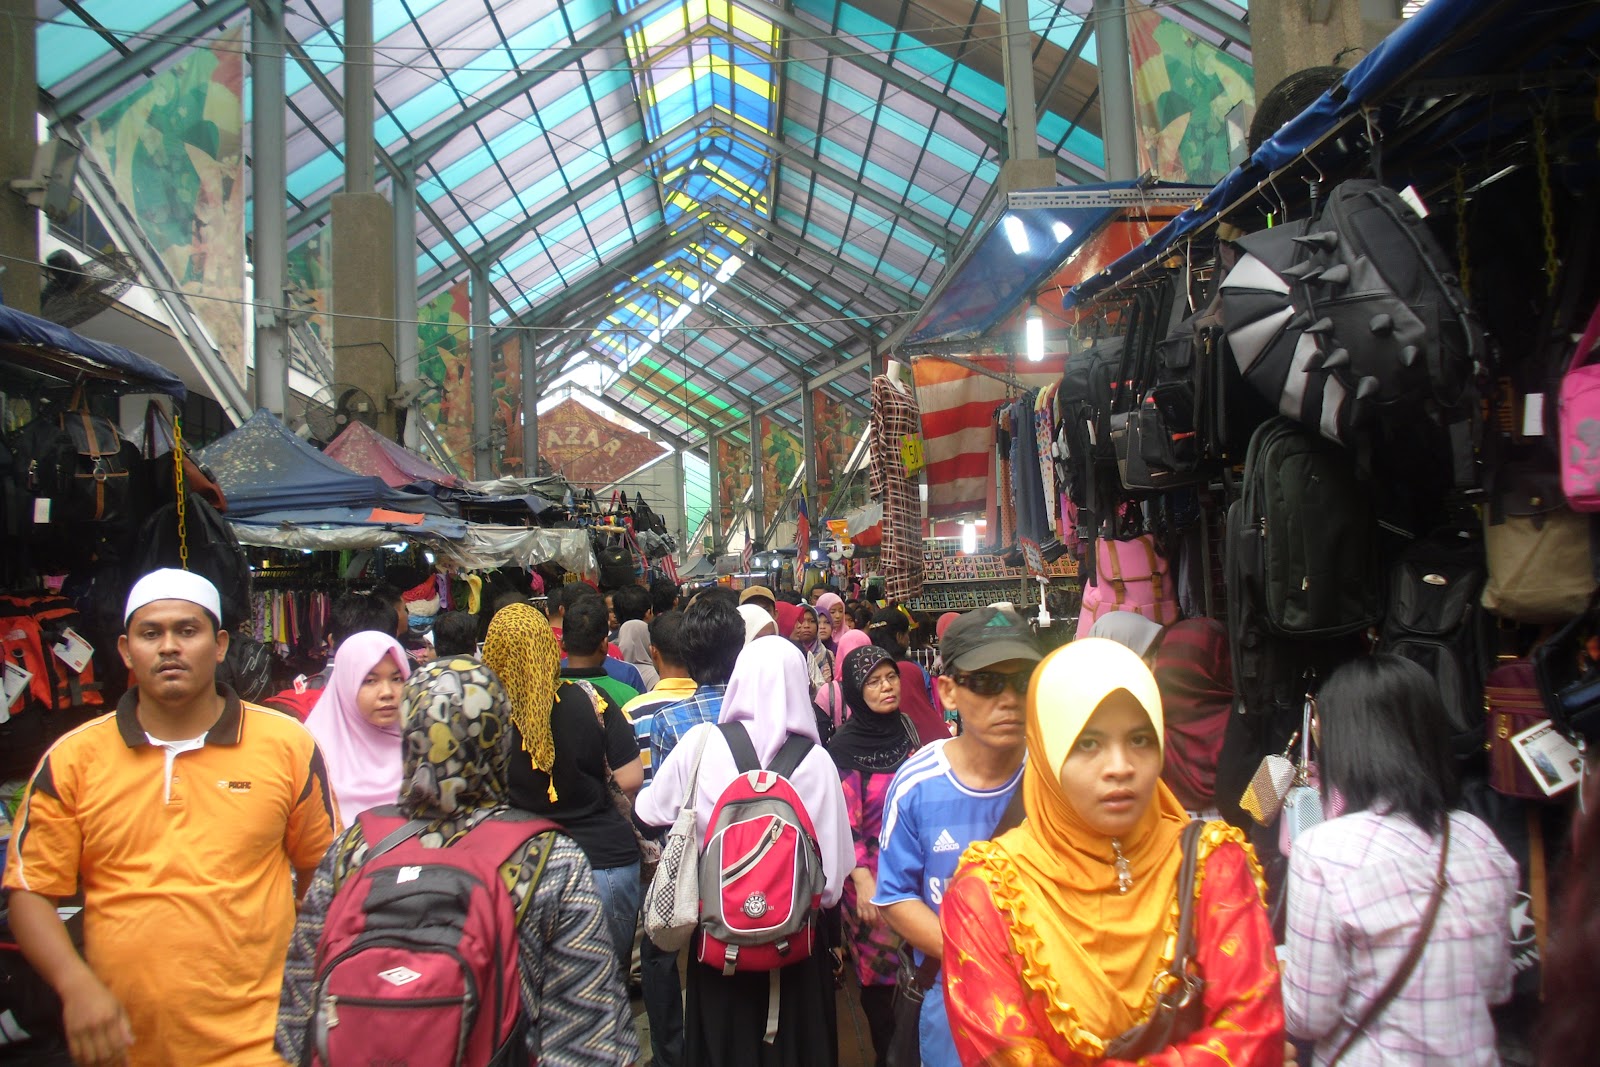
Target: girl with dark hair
x=890, y=630
x=1362, y=886
x=1572, y=963
x=868, y=749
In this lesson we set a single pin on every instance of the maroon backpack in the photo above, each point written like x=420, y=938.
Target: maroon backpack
x=418, y=958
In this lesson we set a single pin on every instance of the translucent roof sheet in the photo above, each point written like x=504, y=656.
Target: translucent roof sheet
x=708, y=198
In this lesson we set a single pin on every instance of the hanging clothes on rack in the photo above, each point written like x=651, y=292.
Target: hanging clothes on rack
x=896, y=419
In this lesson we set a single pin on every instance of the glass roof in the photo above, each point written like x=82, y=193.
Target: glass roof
x=706, y=199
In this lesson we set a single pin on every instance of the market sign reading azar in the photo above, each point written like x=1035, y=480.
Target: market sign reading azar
x=591, y=451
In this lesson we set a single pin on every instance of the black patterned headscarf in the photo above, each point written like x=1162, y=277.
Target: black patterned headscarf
x=455, y=724
x=872, y=742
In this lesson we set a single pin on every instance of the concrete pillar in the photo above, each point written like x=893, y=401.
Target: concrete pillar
x=1285, y=38
x=1116, y=90
x=364, y=343
x=268, y=244
x=363, y=298
x=530, y=410
x=19, y=139
x=482, y=379
x=406, y=302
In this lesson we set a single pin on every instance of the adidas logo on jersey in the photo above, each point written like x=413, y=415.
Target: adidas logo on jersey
x=945, y=843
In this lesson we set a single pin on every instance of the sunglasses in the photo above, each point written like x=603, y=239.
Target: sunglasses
x=993, y=683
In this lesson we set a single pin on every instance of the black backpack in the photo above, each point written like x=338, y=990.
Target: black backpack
x=617, y=566
x=1351, y=323
x=1303, y=537
x=1084, y=402
x=82, y=466
x=1434, y=618
x=214, y=553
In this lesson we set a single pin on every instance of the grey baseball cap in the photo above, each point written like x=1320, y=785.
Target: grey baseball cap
x=987, y=636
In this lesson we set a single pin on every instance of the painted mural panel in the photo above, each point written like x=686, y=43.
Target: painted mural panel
x=590, y=450
x=733, y=478
x=1183, y=89
x=174, y=150
x=837, y=430
x=782, y=453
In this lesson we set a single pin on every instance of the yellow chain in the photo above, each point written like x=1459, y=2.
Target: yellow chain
x=183, y=495
x=1465, y=271
x=1541, y=158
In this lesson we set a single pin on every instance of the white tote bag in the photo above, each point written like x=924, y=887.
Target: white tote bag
x=672, y=902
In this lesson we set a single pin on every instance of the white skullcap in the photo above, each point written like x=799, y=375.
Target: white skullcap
x=172, y=584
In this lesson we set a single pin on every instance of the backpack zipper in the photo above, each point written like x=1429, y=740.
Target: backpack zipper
x=769, y=838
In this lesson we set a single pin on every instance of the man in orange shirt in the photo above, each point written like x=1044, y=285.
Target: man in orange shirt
x=184, y=814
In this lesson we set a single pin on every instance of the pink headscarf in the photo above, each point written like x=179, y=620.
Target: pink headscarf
x=363, y=760
x=830, y=698
x=769, y=693
x=826, y=601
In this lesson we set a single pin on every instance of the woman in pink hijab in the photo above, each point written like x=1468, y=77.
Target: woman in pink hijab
x=725, y=1017
x=832, y=605
x=830, y=698
x=357, y=722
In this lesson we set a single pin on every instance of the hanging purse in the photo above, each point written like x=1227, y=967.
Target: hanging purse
x=1302, y=808
x=1569, y=675
x=1180, y=1006
x=672, y=900
x=1269, y=786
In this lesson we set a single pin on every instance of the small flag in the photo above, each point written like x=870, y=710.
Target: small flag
x=749, y=550
x=802, y=534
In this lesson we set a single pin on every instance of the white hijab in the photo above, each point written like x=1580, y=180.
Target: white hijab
x=756, y=619
x=770, y=695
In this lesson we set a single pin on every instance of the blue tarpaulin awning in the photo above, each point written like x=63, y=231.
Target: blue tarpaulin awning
x=37, y=342
x=263, y=467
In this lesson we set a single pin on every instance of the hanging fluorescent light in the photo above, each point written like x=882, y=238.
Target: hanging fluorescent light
x=1061, y=231
x=1035, y=333
x=969, y=538
x=1016, y=233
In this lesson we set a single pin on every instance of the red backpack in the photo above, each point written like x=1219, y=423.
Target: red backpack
x=761, y=876
x=418, y=958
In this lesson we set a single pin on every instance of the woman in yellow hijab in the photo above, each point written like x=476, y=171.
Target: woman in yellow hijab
x=1060, y=933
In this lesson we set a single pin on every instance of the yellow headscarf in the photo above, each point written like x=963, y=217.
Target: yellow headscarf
x=521, y=648
x=1093, y=953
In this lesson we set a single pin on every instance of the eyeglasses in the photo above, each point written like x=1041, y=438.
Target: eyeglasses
x=993, y=683
x=882, y=682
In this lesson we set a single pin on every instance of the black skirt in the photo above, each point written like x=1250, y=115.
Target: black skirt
x=725, y=1018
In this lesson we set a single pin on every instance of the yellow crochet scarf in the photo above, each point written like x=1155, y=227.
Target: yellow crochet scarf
x=523, y=651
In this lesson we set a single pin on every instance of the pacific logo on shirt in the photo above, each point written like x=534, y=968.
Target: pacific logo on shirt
x=233, y=787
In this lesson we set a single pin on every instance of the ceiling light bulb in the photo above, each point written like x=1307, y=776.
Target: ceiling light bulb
x=1035, y=334
x=1061, y=231
x=969, y=538
x=1016, y=233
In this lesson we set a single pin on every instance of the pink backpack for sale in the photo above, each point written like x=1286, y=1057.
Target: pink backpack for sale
x=1129, y=576
x=1578, y=423
x=418, y=961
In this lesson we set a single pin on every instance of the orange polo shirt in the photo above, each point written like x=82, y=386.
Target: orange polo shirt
x=188, y=884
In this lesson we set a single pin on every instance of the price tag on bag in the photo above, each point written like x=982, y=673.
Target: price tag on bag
x=73, y=650
x=911, y=453
x=13, y=684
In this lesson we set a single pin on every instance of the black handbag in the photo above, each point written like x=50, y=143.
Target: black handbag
x=1569, y=675
x=1180, y=1007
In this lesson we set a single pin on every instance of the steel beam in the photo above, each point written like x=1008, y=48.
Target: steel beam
x=157, y=48
x=732, y=217
x=1116, y=90
x=1022, y=127
x=269, y=194
x=482, y=379
x=990, y=131
x=358, y=97
x=406, y=303
x=413, y=155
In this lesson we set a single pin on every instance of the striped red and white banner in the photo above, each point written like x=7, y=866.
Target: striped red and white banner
x=958, y=406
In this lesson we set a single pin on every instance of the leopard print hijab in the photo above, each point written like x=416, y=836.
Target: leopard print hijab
x=455, y=729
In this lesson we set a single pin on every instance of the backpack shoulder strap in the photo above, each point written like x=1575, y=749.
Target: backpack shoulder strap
x=738, y=739
x=792, y=754
x=508, y=831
